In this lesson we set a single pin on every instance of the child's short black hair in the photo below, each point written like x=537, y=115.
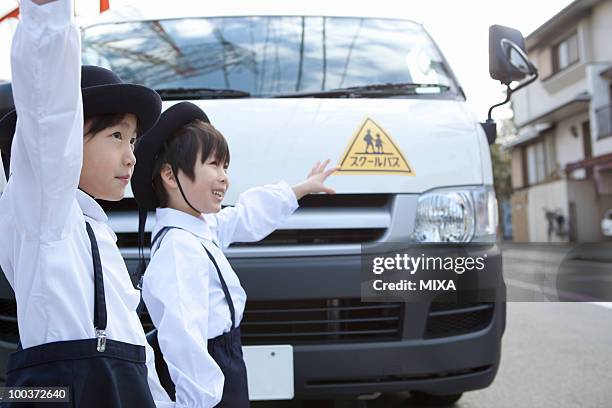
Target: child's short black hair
x=182, y=149
x=101, y=122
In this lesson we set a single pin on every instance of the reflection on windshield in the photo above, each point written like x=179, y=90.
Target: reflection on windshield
x=267, y=56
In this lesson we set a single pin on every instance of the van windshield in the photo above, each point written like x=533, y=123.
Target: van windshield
x=273, y=56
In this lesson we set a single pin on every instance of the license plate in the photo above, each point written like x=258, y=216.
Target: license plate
x=269, y=372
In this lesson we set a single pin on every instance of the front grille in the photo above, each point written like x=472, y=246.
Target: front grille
x=315, y=321
x=285, y=322
x=284, y=237
x=452, y=319
x=308, y=201
x=317, y=235
x=9, y=332
x=320, y=321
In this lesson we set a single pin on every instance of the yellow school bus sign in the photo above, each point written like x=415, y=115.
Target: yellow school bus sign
x=371, y=150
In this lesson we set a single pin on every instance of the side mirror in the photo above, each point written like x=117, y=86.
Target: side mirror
x=517, y=57
x=508, y=60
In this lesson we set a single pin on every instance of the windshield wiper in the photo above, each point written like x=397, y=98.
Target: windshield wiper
x=170, y=94
x=370, y=91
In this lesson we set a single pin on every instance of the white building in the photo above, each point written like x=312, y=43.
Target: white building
x=562, y=159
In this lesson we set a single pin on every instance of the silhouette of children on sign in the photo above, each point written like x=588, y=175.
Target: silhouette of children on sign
x=368, y=139
x=379, y=144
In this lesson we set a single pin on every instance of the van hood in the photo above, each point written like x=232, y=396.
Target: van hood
x=281, y=139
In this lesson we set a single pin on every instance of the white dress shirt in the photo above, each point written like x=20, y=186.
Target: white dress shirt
x=183, y=292
x=45, y=251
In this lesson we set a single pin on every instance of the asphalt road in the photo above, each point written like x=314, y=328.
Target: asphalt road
x=555, y=354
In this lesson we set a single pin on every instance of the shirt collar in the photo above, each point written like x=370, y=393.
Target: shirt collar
x=169, y=217
x=90, y=207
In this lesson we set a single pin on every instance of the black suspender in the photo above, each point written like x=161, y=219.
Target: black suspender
x=224, y=285
x=159, y=237
x=99, y=299
x=99, y=320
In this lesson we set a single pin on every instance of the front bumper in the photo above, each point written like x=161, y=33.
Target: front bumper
x=427, y=354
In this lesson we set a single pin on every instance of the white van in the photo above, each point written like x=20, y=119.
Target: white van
x=377, y=97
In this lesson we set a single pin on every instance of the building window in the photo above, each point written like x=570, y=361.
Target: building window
x=536, y=163
x=604, y=121
x=565, y=53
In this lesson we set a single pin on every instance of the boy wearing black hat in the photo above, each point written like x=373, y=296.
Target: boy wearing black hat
x=192, y=294
x=70, y=140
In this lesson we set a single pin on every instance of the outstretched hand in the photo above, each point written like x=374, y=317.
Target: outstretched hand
x=315, y=181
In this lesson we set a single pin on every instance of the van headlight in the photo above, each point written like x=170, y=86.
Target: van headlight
x=457, y=215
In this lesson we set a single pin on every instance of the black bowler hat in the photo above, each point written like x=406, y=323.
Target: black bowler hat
x=103, y=92
x=151, y=145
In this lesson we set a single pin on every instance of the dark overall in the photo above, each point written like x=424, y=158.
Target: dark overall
x=226, y=350
x=99, y=372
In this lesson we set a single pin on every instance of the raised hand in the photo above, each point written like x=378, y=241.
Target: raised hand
x=315, y=180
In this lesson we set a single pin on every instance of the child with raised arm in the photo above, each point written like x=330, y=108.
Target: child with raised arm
x=70, y=140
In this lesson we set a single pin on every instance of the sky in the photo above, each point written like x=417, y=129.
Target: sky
x=460, y=29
